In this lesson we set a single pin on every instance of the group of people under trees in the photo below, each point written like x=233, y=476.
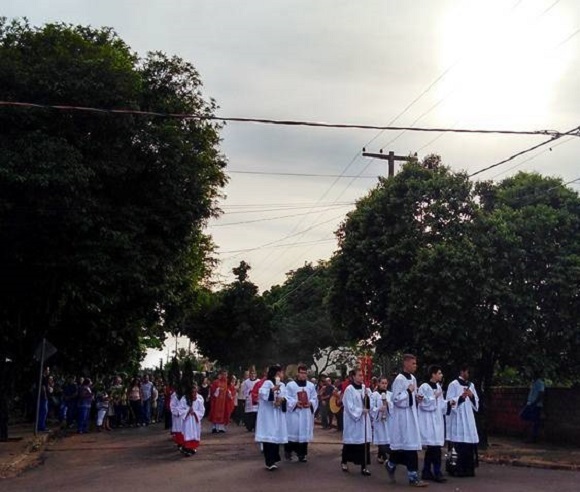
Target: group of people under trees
x=400, y=421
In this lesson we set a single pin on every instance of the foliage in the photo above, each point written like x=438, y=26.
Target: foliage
x=233, y=325
x=303, y=331
x=487, y=275
x=101, y=215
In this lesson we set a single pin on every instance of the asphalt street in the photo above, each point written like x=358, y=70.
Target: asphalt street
x=144, y=459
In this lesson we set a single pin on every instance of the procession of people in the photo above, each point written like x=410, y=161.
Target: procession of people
x=400, y=418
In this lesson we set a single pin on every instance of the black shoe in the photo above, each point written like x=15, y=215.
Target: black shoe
x=221, y=431
x=287, y=456
x=439, y=478
x=365, y=472
x=344, y=467
x=302, y=459
x=214, y=431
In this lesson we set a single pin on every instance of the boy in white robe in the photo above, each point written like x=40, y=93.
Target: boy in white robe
x=251, y=407
x=191, y=410
x=405, y=433
x=271, y=427
x=381, y=400
x=357, y=432
x=432, y=409
x=302, y=401
x=176, y=421
x=461, y=429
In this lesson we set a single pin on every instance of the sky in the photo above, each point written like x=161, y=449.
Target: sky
x=494, y=64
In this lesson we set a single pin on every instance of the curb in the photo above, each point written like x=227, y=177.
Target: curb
x=30, y=457
x=545, y=465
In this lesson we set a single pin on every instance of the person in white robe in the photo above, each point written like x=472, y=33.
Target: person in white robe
x=176, y=421
x=302, y=402
x=251, y=407
x=381, y=401
x=405, y=433
x=432, y=410
x=461, y=428
x=271, y=426
x=191, y=410
x=357, y=431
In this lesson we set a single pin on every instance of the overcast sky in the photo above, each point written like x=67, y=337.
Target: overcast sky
x=510, y=64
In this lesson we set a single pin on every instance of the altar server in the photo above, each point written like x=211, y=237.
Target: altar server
x=357, y=431
x=431, y=423
x=191, y=410
x=302, y=402
x=405, y=433
x=271, y=427
x=461, y=429
x=381, y=401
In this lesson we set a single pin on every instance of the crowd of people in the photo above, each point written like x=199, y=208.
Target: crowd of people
x=400, y=417
x=113, y=403
x=399, y=421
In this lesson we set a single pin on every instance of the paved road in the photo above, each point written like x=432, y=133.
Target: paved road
x=145, y=460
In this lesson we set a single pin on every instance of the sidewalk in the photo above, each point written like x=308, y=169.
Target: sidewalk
x=22, y=450
x=511, y=451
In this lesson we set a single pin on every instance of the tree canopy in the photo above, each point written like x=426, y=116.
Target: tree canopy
x=101, y=215
x=486, y=274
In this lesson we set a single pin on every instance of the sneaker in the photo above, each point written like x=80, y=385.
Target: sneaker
x=391, y=471
x=418, y=483
x=287, y=456
x=365, y=472
x=302, y=459
x=272, y=467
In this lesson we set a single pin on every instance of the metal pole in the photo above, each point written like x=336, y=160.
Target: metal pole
x=39, y=388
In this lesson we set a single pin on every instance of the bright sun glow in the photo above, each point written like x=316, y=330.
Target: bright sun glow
x=507, y=58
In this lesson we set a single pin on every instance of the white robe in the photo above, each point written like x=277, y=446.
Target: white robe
x=247, y=387
x=300, y=420
x=176, y=422
x=356, y=429
x=404, y=429
x=191, y=428
x=271, y=421
x=461, y=419
x=431, y=415
x=380, y=417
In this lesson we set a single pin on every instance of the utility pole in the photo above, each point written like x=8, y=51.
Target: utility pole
x=390, y=157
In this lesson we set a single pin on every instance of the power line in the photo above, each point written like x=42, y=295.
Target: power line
x=302, y=174
x=574, y=130
x=316, y=241
x=284, y=209
x=274, y=121
x=274, y=218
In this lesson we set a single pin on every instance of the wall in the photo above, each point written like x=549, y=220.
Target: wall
x=561, y=419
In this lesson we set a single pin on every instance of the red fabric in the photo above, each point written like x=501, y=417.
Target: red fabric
x=178, y=438
x=191, y=444
x=222, y=405
x=256, y=391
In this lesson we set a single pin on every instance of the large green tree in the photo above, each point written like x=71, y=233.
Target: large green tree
x=101, y=214
x=233, y=325
x=301, y=324
x=486, y=274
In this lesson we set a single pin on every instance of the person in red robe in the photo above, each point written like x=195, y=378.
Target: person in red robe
x=222, y=403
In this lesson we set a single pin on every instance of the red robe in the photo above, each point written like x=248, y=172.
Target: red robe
x=222, y=405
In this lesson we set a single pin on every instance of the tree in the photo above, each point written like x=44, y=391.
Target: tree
x=101, y=214
x=302, y=328
x=233, y=326
x=486, y=275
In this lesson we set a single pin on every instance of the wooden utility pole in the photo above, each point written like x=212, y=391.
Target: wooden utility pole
x=390, y=157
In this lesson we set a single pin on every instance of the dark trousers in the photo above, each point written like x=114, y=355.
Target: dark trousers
x=410, y=459
x=271, y=453
x=300, y=448
x=465, y=459
x=250, y=420
x=432, y=461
